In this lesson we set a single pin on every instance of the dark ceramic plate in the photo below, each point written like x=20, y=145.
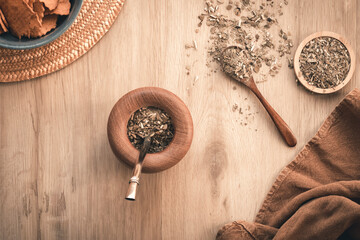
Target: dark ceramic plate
x=9, y=41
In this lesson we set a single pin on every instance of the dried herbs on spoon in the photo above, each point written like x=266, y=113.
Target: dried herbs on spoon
x=236, y=63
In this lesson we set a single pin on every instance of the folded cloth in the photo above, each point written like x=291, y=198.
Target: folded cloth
x=317, y=196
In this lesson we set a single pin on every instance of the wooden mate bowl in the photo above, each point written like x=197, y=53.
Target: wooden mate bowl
x=146, y=97
x=297, y=63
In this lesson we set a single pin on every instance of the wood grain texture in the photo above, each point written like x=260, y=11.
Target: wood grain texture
x=59, y=177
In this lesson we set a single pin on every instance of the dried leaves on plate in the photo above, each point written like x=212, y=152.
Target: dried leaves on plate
x=324, y=62
x=39, y=8
x=63, y=8
x=152, y=122
x=48, y=23
x=3, y=23
x=21, y=18
x=50, y=4
x=31, y=18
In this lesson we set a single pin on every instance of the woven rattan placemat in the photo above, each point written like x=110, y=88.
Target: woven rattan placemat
x=94, y=20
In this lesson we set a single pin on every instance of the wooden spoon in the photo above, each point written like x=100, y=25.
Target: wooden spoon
x=134, y=180
x=283, y=128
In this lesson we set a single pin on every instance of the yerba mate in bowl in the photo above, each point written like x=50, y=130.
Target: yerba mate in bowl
x=324, y=62
x=153, y=122
x=172, y=126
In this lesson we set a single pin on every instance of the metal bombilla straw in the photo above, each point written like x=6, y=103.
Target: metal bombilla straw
x=134, y=180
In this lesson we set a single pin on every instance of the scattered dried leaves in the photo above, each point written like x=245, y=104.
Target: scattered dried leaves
x=249, y=29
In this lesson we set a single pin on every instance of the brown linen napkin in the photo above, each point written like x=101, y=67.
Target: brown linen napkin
x=317, y=196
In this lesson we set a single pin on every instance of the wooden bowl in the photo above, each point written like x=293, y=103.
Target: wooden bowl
x=146, y=97
x=297, y=63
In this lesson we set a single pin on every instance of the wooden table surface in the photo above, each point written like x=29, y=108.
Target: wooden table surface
x=59, y=177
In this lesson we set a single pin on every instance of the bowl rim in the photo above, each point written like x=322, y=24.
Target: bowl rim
x=145, y=97
x=298, y=72
x=46, y=39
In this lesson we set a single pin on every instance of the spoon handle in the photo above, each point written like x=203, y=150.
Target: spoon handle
x=281, y=125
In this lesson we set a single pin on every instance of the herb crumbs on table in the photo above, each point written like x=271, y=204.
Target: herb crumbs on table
x=252, y=28
x=150, y=121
